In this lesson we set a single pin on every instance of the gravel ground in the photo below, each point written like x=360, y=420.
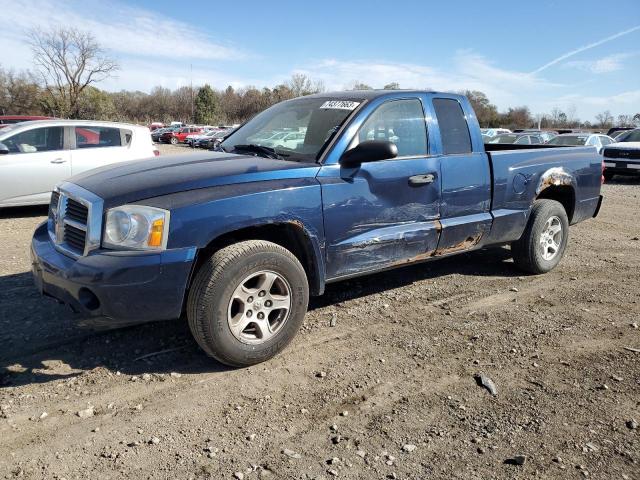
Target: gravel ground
x=387, y=392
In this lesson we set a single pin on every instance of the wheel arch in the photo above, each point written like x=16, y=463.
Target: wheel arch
x=559, y=185
x=289, y=234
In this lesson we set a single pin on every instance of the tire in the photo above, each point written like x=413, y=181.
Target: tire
x=608, y=175
x=213, y=306
x=173, y=141
x=529, y=253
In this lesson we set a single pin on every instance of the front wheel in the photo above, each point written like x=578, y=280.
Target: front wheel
x=247, y=302
x=174, y=141
x=545, y=238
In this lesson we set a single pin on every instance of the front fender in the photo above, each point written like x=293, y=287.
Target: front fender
x=201, y=216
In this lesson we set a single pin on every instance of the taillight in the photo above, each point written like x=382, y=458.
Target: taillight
x=602, y=177
x=156, y=152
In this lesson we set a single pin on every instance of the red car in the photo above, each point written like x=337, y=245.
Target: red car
x=10, y=119
x=179, y=136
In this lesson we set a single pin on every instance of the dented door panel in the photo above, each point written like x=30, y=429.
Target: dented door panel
x=377, y=218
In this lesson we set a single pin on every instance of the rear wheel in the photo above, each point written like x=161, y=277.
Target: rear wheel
x=545, y=238
x=247, y=302
x=174, y=141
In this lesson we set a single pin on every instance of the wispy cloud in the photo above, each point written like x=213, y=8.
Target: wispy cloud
x=584, y=48
x=608, y=64
x=622, y=102
x=133, y=31
x=470, y=71
x=144, y=42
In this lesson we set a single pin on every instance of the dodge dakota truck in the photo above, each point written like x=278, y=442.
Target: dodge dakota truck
x=236, y=240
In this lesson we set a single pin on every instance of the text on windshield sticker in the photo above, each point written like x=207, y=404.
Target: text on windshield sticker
x=340, y=104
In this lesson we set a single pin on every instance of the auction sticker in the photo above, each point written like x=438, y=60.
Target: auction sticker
x=340, y=104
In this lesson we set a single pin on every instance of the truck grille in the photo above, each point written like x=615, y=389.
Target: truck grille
x=622, y=153
x=74, y=238
x=75, y=220
x=76, y=211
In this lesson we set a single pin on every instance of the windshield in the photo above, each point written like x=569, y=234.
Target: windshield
x=9, y=128
x=504, y=139
x=570, y=140
x=296, y=129
x=632, y=136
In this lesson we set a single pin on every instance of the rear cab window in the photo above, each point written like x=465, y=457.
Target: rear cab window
x=454, y=130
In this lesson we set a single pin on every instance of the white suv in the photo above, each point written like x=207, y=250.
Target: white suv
x=35, y=156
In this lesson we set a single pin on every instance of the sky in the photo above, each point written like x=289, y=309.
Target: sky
x=580, y=56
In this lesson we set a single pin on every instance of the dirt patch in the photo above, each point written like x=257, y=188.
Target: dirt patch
x=389, y=391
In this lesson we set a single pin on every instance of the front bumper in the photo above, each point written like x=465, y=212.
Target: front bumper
x=621, y=167
x=122, y=287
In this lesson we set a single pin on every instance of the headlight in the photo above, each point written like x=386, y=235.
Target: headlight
x=136, y=227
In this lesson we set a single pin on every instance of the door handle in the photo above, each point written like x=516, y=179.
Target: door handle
x=58, y=160
x=423, y=179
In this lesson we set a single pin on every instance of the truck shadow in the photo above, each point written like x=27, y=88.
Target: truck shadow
x=42, y=341
x=24, y=212
x=624, y=180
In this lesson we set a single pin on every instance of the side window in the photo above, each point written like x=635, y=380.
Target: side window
x=593, y=141
x=535, y=139
x=605, y=140
x=523, y=140
x=98, y=137
x=454, y=130
x=400, y=122
x=45, y=139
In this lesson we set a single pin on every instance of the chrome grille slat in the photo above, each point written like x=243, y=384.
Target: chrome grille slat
x=74, y=237
x=76, y=211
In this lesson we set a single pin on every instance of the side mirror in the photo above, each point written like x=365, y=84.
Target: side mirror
x=3, y=149
x=368, y=151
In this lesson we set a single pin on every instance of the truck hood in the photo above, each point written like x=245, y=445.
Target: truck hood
x=136, y=180
x=625, y=145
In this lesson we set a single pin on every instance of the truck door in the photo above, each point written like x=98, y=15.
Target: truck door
x=385, y=212
x=466, y=177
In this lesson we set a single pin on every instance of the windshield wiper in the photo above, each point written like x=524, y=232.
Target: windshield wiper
x=252, y=147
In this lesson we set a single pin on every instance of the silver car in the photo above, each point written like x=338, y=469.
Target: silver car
x=35, y=156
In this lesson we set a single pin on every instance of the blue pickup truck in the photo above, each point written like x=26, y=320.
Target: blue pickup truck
x=235, y=240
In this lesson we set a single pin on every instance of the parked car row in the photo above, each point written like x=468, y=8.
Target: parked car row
x=189, y=135
x=538, y=137
x=207, y=139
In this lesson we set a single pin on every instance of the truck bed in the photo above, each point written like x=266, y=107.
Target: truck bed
x=498, y=147
x=522, y=172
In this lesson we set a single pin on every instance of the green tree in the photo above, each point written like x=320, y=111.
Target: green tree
x=486, y=112
x=96, y=104
x=206, y=106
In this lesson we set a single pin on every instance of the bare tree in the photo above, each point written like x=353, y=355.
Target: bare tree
x=68, y=60
x=605, y=119
x=300, y=84
x=357, y=85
